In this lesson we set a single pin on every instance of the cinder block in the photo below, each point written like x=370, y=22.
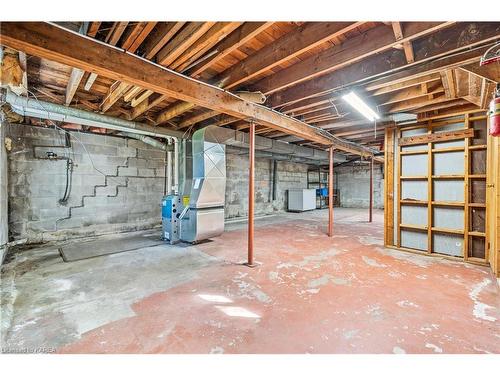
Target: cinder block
x=128, y=171
x=151, y=154
x=115, y=141
x=127, y=152
x=146, y=172
x=41, y=225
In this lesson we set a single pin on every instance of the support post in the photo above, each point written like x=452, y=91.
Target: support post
x=370, y=213
x=330, y=195
x=251, y=193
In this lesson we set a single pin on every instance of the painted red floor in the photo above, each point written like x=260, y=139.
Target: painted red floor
x=313, y=294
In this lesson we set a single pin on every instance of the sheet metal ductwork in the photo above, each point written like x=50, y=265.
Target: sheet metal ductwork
x=203, y=217
x=56, y=112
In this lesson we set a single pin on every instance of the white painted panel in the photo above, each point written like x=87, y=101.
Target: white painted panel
x=448, y=190
x=449, y=127
x=415, y=147
x=447, y=163
x=414, y=165
x=411, y=132
x=448, y=217
x=449, y=244
x=414, y=239
x=457, y=143
x=414, y=189
x=414, y=215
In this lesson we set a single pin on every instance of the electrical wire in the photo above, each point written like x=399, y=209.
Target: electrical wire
x=72, y=135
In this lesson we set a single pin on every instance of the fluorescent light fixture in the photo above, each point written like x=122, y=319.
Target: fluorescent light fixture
x=358, y=104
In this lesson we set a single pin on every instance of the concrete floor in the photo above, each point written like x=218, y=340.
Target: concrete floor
x=310, y=294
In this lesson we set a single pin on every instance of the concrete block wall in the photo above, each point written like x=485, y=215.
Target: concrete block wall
x=353, y=183
x=289, y=175
x=117, y=188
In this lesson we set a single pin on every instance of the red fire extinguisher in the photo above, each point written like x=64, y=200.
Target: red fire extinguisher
x=494, y=114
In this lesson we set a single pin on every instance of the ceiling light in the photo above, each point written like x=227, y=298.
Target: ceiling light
x=360, y=106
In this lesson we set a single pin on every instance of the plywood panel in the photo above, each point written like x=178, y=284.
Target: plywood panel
x=477, y=161
x=477, y=219
x=480, y=132
x=477, y=247
x=478, y=191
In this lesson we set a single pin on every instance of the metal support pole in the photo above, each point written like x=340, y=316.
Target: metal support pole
x=251, y=193
x=330, y=195
x=370, y=214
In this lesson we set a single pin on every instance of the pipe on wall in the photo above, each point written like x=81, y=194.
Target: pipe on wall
x=56, y=112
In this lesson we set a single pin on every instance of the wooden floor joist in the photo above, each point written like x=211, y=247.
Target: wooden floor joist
x=54, y=43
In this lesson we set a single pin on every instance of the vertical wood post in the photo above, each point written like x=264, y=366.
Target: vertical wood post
x=251, y=193
x=370, y=213
x=330, y=195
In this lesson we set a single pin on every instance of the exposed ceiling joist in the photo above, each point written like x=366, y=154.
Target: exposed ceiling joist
x=54, y=43
x=290, y=45
x=232, y=42
x=449, y=41
x=371, y=42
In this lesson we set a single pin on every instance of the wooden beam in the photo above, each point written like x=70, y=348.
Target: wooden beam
x=146, y=105
x=54, y=43
x=76, y=74
x=436, y=137
x=235, y=40
x=197, y=118
x=115, y=92
x=448, y=79
x=173, y=111
x=377, y=89
x=181, y=42
x=138, y=100
x=74, y=81
x=376, y=40
x=23, y=63
x=160, y=36
x=94, y=28
x=112, y=38
x=202, y=45
x=407, y=47
x=116, y=33
x=445, y=42
x=490, y=72
x=136, y=34
x=291, y=44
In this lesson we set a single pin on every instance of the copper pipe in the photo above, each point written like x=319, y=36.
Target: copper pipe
x=370, y=212
x=251, y=192
x=330, y=195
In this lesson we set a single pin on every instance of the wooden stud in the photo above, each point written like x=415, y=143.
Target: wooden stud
x=437, y=137
x=467, y=194
x=430, y=190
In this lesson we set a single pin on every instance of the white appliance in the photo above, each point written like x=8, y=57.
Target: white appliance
x=301, y=199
